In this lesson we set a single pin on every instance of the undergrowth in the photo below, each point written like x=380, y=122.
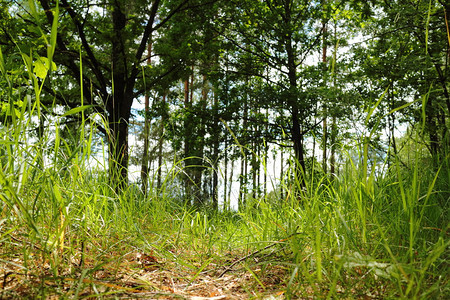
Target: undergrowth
x=64, y=231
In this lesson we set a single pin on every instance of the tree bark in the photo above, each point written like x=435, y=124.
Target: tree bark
x=144, y=167
x=187, y=143
x=325, y=109
x=296, y=133
x=160, y=146
x=244, y=163
x=119, y=108
x=216, y=144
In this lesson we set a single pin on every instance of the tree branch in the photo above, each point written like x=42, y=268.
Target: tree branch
x=94, y=62
x=69, y=63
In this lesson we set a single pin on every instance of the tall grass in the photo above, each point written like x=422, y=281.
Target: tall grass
x=353, y=235
x=62, y=226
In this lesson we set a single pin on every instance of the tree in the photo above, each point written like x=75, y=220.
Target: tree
x=276, y=38
x=107, y=41
x=409, y=59
x=194, y=131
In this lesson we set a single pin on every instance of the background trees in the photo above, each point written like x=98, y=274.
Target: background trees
x=284, y=76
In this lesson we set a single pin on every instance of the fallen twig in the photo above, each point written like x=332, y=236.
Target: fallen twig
x=256, y=252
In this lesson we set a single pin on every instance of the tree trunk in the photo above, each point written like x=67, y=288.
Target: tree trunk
x=216, y=144
x=334, y=129
x=281, y=173
x=187, y=143
x=325, y=110
x=244, y=163
x=325, y=139
x=118, y=148
x=392, y=150
x=226, y=205
x=144, y=167
x=243, y=189
x=119, y=107
x=230, y=185
x=432, y=128
x=118, y=95
x=296, y=133
x=297, y=139
x=160, y=144
x=333, y=145
x=266, y=155
x=199, y=145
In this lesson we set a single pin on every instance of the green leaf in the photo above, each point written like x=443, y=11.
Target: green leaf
x=41, y=67
x=51, y=48
x=76, y=110
x=2, y=63
x=426, y=28
x=403, y=106
x=372, y=109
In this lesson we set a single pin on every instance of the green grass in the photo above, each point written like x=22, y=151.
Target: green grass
x=65, y=232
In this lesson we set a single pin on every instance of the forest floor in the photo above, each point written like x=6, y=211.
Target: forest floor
x=118, y=270
x=123, y=272
x=139, y=275
x=178, y=257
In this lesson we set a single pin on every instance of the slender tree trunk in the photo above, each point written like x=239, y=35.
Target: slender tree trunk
x=281, y=173
x=226, y=204
x=258, y=170
x=254, y=163
x=297, y=138
x=230, y=185
x=187, y=143
x=254, y=174
x=313, y=171
x=392, y=151
x=296, y=134
x=333, y=145
x=325, y=139
x=266, y=156
x=199, y=144
x=226, y=197
x=442, y=79
x=325, y=109
x=118, y=149
x=432, y=113
x=216, y=144
x=160, y=145
x=241, y=199
x=244, y=160
x=334, y=130
x=246, y=184
x=144, y=167
x=432, y=128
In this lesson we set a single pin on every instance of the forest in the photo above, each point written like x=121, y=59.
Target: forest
x=224, y=149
